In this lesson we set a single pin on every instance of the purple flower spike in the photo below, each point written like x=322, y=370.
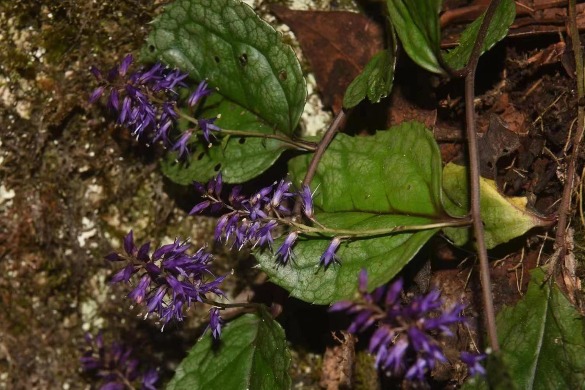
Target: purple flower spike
x=201, y=91
x=170, y=279
x=114, y=367
x=329, y=256
x=143, y=100
x=285, y=253
x=404, y=341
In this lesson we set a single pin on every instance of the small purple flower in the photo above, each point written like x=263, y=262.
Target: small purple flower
x=206, y=126
x=199, y=207
x=215, y=185
x=307, y=201
x=97, y=94
x=404, y=341
x=125, y=64
x=162, y=133
x=281, y=194
x=149, y=379
x=129, y=246
x=264, y=234
x=329, y=256
x=171, y=80
x=138, y=294
x=472, y=361
x=285, y=253
x=215, y=322
x=201, y=91
x=181, y=146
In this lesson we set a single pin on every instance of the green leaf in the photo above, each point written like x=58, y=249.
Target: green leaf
x=502, y=20
x=383, y=257
x=543, y=339
x=417, y=25
x=504, y=218
x=239, y=158
x=365, y=183
x=252, y=354
x=225, y=42
x=397, y=171
x=375, y=81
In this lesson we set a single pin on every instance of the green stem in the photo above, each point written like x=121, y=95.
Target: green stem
x=299, y=144
x=349, y=233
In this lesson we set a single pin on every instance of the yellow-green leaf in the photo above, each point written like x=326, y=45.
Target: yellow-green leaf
x=504, y=217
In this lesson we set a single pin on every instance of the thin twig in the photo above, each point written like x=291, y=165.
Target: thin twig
x=475, y=209
x=321, y=148
x=565, y=206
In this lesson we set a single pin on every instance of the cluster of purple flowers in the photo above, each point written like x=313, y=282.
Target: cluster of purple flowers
x=114, y=367
x=404, y=341
x=145, y=102
x=255, y=220
x=170, y=279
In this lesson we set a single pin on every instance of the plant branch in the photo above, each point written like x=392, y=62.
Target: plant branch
x=349, y=233
x=323, y=144
x=565, y=206
x=476, y=51
x=300, y=144
x=475, y=209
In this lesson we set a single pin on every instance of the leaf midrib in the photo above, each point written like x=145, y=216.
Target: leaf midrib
x=540, y=340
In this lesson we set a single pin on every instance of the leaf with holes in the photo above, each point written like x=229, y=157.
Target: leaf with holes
x=365, y=183
x=226, y=43
x=504, y=218
x=375, y=81
x=252, y=354
x=502, y=20
x=382, y=256
x=417, y=25
x=239, y=158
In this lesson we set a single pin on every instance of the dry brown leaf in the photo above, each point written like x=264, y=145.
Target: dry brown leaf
x=337, y=45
